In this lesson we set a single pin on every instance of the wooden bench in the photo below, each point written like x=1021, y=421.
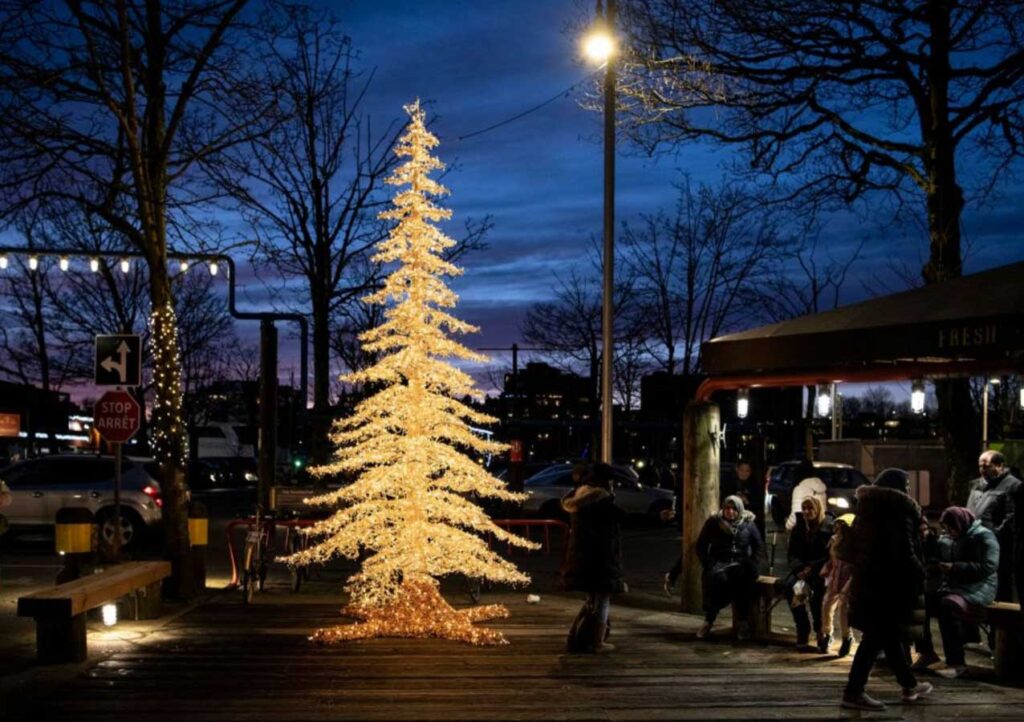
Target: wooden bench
x=761, y=608
x=1007, y=630
x=60, y=611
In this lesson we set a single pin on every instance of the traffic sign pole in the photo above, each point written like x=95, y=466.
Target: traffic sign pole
x=116, y=550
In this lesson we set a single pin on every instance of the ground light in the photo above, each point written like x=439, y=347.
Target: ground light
x=109, y=615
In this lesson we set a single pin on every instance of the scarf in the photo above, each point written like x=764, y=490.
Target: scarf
x=736, y=503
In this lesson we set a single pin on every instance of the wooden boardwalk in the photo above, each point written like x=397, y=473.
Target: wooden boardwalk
x=223, y=661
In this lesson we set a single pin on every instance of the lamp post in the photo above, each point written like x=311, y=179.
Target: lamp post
x=599, y=45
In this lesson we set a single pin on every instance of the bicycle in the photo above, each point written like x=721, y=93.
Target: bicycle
x=254, y=559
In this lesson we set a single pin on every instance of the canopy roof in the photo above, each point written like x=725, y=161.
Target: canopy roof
x=972, y=324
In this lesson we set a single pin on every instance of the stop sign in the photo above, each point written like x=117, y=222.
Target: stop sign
x=116, y=416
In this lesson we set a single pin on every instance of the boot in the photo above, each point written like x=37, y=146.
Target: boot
x=844, y=648
x=601, y=646
x=824, y=642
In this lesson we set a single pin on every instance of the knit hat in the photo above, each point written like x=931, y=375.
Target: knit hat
x=892, y=478
x=957, y=518
x=847, y=519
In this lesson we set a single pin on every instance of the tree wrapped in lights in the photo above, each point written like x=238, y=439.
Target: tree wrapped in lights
x=410, y=508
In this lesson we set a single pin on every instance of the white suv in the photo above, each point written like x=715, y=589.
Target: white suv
x=41, y=486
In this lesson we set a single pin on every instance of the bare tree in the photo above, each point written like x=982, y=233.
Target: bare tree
x=815, y=284
x=842, y=100
x=110, y=106
x=309, y=183
x=695, y=270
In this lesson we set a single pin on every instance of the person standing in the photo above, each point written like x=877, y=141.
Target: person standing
x=886, y=592
x=807, y=554
x=729, y=548
x=992, y=501
x=594, y=557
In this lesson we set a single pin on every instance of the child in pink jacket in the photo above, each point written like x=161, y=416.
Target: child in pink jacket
x=836, y=601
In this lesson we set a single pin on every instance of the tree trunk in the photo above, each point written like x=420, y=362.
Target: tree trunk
x=701, y=462
x=321, y=421
x=945, y=203
x=169, y=435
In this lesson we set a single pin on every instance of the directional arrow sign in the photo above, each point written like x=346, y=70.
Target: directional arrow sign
x=118, y=360
x=116, y=416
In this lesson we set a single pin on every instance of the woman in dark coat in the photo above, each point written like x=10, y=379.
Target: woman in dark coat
x=808, y=552
x=887, y=590
x=729, y=548
x=594, y=558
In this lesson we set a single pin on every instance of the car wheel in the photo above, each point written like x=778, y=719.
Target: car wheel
x=553, y=510
x=131, y=528
x=659, y=506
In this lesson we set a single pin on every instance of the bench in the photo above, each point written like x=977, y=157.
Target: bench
x=1007, y=630
x=60, y=611
x=762, y=605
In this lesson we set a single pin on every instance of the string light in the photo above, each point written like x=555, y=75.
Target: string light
x=408, y=514
x=169, y=439
x=94, y=264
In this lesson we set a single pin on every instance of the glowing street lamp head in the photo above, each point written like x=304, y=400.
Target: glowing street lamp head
x=824, y=401
x=94, y=264
x=742, y=403
x=183, y=265
x=64, y=263
x=599, y=45
x=126, y=265
x=214, y=268
x=3, y=263
x=33, y=263
x=917, y=397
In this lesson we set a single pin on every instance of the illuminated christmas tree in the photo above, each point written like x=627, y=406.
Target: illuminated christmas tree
x=410, y=509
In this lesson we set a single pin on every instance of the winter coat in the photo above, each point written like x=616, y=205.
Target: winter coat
x=883, y=545
x=809, y=548
x=593, y=560
x=992, y=502
x=720, y=544
x=836, y=572
x=975, y=566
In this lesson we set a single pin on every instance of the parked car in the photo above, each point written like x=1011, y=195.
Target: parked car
x=41, y=486
x=224, y=472
x=547, y=487
x=841, y=481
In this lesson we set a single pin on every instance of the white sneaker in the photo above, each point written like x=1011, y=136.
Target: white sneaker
x=952, y=672
x=912, y=694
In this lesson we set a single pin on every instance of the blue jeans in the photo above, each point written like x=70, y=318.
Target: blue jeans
x=601, y=603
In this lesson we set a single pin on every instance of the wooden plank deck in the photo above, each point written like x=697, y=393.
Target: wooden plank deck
x=223, y=661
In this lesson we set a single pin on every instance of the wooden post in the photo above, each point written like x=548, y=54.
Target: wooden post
x=700, y=491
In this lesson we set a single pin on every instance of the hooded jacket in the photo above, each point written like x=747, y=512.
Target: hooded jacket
x=883, y=545
x=975, y=566
x=593, y=560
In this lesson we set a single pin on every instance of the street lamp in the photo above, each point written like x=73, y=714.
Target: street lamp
x=599, y=46
x=742, y=403
x=917, y=396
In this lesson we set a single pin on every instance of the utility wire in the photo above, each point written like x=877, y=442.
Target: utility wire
x=549, y=101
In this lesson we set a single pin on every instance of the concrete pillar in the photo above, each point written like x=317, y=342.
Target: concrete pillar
x=701, y=463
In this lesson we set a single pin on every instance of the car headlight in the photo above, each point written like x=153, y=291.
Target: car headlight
x=839, y=502
x=249, y=476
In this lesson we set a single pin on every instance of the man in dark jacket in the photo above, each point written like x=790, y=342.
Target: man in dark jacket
x=593, y=561
x=887, y=590
x=992, y=502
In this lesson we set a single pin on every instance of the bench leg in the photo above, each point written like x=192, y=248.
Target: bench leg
x=61, y=639
x=148, y=601
x=1007, y=658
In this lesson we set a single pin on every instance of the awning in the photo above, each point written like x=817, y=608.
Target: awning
x=972, y=324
